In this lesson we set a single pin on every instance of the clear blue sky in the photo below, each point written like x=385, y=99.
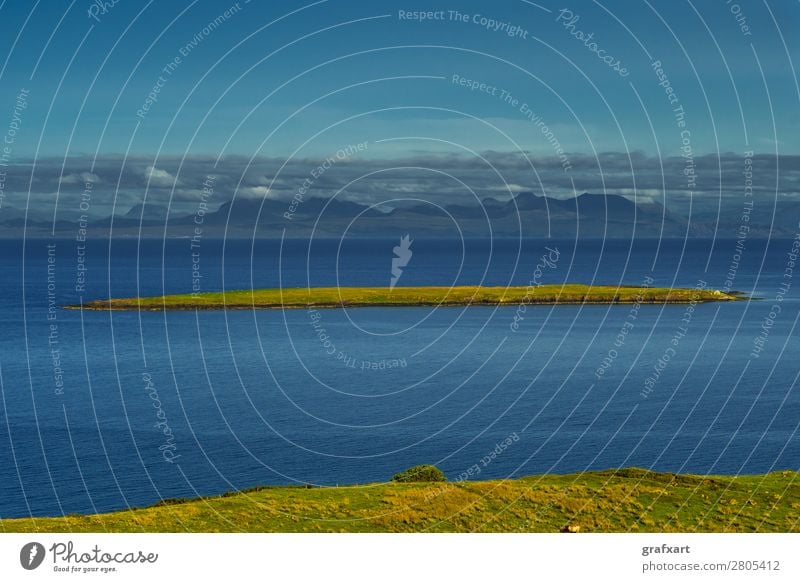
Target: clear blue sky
x=88, y=80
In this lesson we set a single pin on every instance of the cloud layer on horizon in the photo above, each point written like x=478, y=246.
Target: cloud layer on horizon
x=115, y=184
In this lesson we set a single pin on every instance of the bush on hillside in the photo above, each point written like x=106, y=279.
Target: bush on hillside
x=420, y=474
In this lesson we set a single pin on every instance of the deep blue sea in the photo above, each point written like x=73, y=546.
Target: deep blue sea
x=101, y=411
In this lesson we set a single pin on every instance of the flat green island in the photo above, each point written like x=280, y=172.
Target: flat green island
x=606, y=501
x=332, y=297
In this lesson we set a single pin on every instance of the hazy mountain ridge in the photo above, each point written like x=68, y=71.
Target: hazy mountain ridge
x=587, y=215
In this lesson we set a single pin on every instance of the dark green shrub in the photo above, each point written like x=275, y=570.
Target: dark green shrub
x=420, y=474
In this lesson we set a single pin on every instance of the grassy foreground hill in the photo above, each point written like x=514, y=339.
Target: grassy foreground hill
x=607, y=501
x=332, y=297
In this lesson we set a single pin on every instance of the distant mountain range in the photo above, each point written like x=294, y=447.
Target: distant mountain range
x=587, y=215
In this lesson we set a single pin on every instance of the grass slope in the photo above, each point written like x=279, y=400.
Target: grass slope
x=410, y=296
x=607, y=501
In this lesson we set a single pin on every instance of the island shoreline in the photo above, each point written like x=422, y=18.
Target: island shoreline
x=362, y=297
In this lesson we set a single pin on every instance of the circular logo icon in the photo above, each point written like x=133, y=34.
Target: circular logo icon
x=31, y=555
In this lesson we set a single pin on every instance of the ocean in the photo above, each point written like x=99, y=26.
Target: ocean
x=103, y=411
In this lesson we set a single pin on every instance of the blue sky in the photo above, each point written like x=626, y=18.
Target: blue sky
x=146, y=96
x=225, y=96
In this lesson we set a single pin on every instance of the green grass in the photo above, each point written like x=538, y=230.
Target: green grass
x=410, y=296
x=607, y=501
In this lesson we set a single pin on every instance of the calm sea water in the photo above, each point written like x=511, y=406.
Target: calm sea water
x=101, y=411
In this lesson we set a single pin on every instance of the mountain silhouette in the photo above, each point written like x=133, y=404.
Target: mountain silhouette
x=526, y=214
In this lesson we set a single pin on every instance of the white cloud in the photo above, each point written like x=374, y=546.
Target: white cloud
x=510, y=188
x=80, y=178
x=159, y=178
x=253, y=191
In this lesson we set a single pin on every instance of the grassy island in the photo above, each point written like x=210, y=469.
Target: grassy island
x=332, y=297
x=606, y=501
